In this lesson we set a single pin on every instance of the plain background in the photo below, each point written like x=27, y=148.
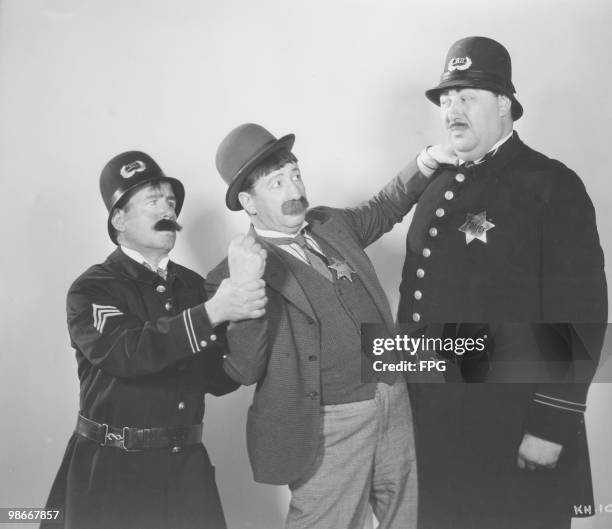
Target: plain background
x=82, y=80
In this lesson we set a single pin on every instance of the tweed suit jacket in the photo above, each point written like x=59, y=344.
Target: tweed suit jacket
x=281, y=351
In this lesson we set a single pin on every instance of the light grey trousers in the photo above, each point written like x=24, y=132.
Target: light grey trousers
x=366, y=456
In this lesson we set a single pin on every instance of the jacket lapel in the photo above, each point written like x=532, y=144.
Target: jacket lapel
x=279, y=277
x=335, y=235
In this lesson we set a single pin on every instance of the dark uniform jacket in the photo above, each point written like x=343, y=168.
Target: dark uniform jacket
x=146, y=355
x=281, y=351
x=509, y=250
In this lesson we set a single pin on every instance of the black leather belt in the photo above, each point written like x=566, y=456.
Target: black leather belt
x=135, y=439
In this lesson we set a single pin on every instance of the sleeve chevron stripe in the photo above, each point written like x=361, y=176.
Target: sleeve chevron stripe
x=101, y=313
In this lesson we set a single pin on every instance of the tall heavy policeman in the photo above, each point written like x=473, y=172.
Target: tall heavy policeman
x=503, y=247
x=147, y=351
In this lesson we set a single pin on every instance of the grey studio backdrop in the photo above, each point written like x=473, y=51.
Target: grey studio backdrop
x=82, y=80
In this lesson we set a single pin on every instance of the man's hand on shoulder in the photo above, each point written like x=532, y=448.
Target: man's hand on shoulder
x=535, y=453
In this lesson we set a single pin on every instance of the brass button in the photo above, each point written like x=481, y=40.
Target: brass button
x=418, y=294
x=426, y=252
x=433, y=231
x=460, y=177
x=203, y=343
x=449, y=195
x=176, y=449
x=181, y=406
x=416, y=317
x=420, y=273
x=160, y=288
x=213, y=337
x=440, y=212
x=168, y=305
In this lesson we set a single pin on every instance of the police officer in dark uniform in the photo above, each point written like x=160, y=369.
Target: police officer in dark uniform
x=148, y=350
x=503, y=247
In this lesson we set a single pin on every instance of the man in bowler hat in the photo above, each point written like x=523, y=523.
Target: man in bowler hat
x=148, y=347
x=338, y=435
x=503, y=247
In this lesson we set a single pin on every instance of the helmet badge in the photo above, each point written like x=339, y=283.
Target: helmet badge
x=129, y=170
x=459, y=63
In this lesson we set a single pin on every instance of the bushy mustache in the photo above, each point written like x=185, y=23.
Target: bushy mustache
x=294, y=207
x=167, y=225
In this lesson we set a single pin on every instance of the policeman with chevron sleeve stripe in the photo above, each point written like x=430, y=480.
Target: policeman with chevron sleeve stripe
x=148, y=349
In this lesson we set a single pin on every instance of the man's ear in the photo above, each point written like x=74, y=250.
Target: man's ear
x=118, y=220
x=504, y=104
x=247, y=203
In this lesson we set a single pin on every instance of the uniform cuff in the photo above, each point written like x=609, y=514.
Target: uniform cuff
x=553, y=419
x=200, y=332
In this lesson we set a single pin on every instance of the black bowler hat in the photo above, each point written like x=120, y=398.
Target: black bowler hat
x=240, y=152
x=128, y=171
x=478, y=62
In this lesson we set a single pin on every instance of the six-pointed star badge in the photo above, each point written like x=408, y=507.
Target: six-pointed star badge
x=476, y=227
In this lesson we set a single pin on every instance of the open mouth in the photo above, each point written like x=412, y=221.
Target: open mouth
x=457, y=126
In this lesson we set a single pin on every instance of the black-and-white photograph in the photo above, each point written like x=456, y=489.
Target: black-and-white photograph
x=306, y=265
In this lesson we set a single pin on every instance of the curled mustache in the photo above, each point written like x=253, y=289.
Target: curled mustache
x=294, y=207
x=167, y=225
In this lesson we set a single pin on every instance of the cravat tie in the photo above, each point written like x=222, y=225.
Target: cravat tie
x=317, y=260
x=484, y=159
x=161, y=272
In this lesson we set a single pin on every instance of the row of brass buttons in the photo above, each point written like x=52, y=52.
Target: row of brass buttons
x=433, y=232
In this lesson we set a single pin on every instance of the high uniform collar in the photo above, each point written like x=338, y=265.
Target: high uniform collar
x=492, y=151
x=135, y=270
x=506, y=151
x=139, y=258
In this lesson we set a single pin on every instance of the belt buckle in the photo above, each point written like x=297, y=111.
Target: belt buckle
x=105, y=434
x=124, y=435
x=121, y=438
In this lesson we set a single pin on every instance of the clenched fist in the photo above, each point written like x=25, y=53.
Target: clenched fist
x=237, y=301
x=246, y=259
x=535, y=453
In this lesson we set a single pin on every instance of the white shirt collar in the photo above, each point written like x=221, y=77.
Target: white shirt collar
x=273, y=234
x=137, y=256
x=494, y=148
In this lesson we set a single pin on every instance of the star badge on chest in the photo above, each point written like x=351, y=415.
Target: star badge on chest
x=342, y=268
x=476, y=227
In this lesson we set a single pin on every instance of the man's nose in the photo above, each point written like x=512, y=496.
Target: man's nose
x=454, y=108
x=294, y=190
x=169, y=211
